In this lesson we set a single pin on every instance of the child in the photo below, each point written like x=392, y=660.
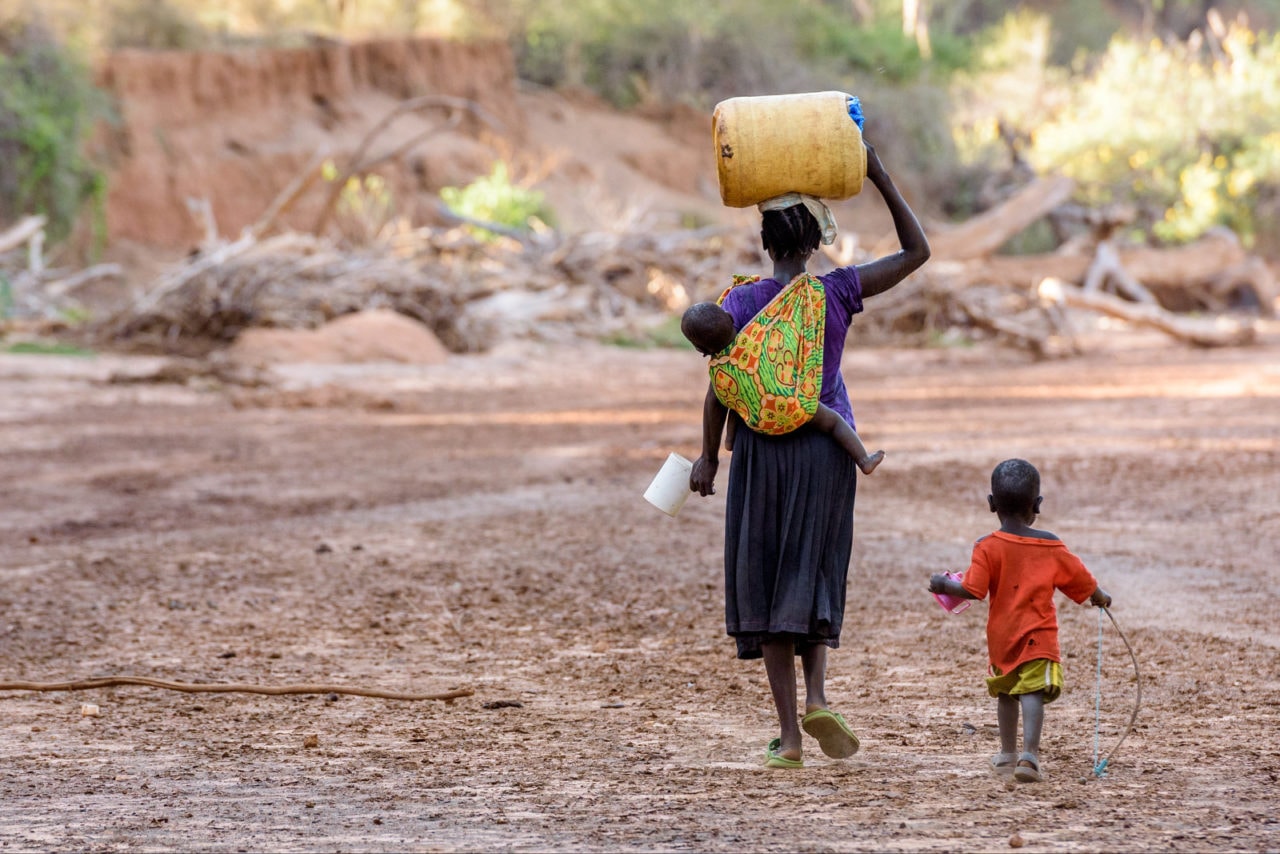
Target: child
x=710, y=330
x=1020, y=568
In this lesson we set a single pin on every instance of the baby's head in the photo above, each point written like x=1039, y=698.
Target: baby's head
x=708, y=327
x=1015, y=490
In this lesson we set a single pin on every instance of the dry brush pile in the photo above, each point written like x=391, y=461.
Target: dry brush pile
x=472, y=287
x=468, y=289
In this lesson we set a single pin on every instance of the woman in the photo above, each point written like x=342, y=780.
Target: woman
x=789, y=516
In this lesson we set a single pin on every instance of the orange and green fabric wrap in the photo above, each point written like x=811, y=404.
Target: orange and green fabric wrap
x=771, y=374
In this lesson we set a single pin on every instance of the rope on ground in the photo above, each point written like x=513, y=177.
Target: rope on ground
x=1097, y=703
x=1101, y=767
x=229, y=688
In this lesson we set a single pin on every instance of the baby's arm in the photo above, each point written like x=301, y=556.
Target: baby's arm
x=940, y=583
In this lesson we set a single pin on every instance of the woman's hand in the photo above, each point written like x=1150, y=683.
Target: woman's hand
x=702, y=479
x=875, y=169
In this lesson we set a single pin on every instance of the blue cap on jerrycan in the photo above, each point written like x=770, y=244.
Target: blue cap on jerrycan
x=855, y=112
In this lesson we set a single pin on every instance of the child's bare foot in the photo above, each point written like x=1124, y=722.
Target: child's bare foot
x=870, y=461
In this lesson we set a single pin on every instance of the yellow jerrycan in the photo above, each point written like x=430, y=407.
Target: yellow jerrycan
x=768, y=145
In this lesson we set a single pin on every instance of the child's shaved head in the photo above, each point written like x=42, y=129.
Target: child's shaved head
x=1015, y=486
x=708, y=327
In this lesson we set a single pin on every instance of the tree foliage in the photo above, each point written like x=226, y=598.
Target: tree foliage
x=1163, y=103
x=494, y=198
x=676, y=50
x=1183, y=129
x=48, y=107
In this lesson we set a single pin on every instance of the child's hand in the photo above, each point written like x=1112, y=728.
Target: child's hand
x=938, y=582
x=1100, y=598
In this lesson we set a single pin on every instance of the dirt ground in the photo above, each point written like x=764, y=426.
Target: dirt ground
x=478, y=524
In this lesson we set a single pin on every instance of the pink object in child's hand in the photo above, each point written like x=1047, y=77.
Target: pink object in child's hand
x=952, y=604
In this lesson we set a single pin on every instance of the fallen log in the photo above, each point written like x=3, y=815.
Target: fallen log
x=1201, y=332
x=1180, y=266
x=1212, y=274
x=26, y=228
x=988, y=231
x=177, y=278
x=1009, y=329
x=1107, y=268
x=61, y=287
x=1252, y=274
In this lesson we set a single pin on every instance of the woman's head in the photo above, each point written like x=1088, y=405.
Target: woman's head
x=708, y=327
x=790, y=232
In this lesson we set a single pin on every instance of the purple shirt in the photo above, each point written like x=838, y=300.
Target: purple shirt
x=844, y=300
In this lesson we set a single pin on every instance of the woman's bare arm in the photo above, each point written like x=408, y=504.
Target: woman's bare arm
x=883, y=273
x=702, y=479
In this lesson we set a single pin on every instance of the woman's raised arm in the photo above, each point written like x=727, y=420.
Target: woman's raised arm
x=883, y=273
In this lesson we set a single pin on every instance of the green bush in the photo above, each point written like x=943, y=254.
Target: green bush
x=1184, y=131
x=48, y=107
x=493, y=198
x=156, y=24
x=879, y=49
x=675, y=50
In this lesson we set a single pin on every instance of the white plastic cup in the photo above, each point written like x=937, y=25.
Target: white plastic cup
x=670, y=487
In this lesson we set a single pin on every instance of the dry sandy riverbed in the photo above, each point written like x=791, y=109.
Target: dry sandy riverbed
x=478, y=524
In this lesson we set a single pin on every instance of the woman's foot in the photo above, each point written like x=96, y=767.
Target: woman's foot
x=776, y=757
x=870, y=461
x=832, y=732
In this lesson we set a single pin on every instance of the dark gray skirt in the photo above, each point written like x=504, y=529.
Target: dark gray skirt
x=788, y=539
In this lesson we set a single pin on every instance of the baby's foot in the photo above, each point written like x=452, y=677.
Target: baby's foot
x=870, y=461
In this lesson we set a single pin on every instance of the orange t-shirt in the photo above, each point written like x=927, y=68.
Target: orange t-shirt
x=1021, y=574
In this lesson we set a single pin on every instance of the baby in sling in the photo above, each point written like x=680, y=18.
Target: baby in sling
x=770, y=373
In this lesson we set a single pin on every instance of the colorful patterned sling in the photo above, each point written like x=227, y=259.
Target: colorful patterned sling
x=771, y=375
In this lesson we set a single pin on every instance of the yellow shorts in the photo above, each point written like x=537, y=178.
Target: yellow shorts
x=1031, y=676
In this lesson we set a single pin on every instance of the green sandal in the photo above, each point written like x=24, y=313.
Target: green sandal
x=774, y=760
x=832, y=732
